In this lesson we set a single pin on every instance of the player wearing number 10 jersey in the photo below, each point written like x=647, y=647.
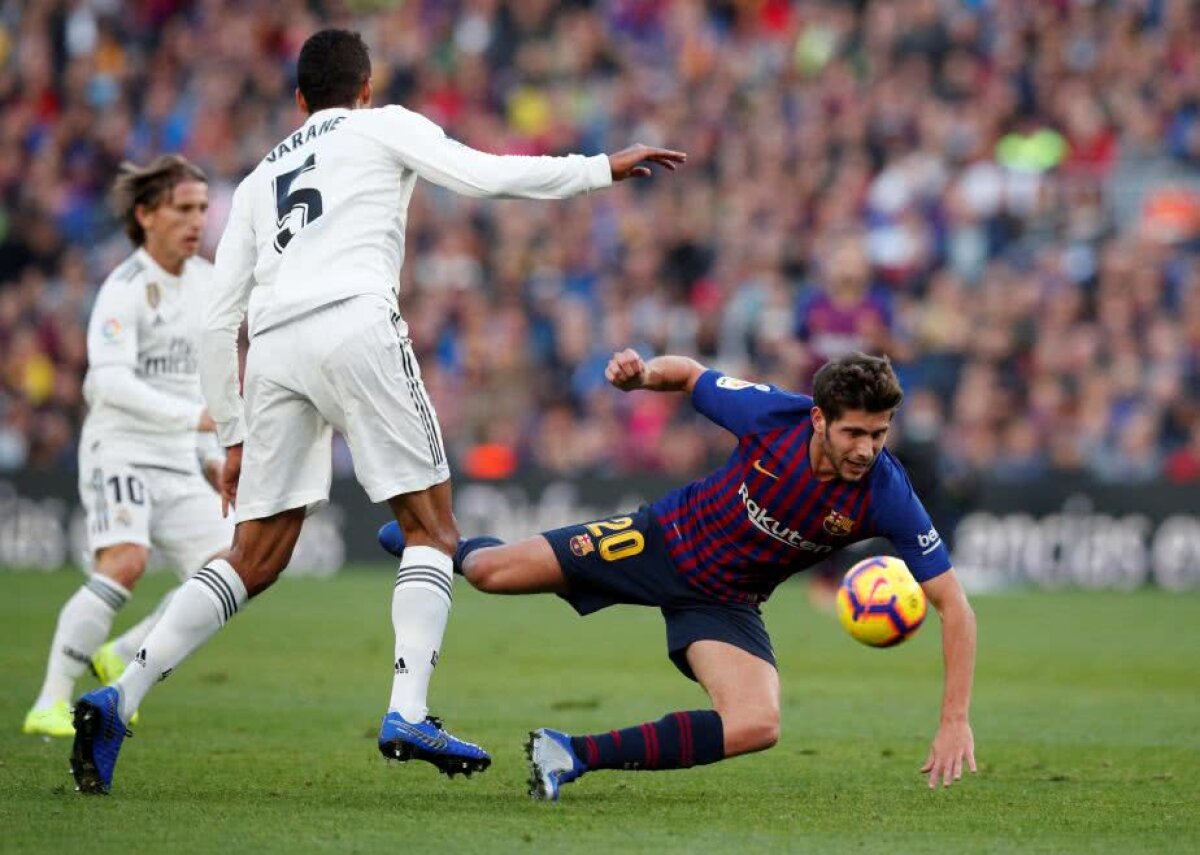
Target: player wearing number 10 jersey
x=808, y=476
x=312, y=252
x=148, y=461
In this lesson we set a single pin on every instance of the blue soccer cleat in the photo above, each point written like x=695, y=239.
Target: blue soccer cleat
x=99, y=733
x=391, y=538
x=429, y=741
x=552, y=763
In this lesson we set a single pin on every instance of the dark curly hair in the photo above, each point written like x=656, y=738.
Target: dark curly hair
x=148, y=187
x=333, y=66
x=856, y=382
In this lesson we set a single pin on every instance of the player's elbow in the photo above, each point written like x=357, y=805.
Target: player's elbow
x=104, y=382
x=694, y=372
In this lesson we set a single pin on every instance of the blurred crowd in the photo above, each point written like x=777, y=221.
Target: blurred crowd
x=1002, y=195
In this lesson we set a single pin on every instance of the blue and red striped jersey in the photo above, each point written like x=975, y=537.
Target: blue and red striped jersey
x=764, y=515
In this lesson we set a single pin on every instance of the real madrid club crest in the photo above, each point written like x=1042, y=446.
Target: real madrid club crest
x=838, y=524
x=153, y=298
x=581, y=544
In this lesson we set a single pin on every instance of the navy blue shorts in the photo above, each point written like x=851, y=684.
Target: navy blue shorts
x=624, y=559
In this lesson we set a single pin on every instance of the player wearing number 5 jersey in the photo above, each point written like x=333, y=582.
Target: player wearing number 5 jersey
x=312, y=251
x=140, y=472
x=808, y=476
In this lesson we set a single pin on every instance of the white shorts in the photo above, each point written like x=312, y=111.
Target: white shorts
x=176, y=512
x=347, y=367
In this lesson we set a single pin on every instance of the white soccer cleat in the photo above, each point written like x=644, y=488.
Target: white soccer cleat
x=552, y=763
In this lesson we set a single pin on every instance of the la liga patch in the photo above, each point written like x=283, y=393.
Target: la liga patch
x=111, y=330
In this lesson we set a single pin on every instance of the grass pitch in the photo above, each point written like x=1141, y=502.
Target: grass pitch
x=1086, y=717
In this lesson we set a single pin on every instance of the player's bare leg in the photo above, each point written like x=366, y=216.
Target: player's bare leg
x=262, y=548
x=83, y=624
x=526, y=567
x=420, y=609
x=200, y=607
x=124, y=563
x=745, y=692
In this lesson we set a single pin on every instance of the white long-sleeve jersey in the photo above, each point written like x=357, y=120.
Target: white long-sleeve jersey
x=322, y=219
x=142, y=385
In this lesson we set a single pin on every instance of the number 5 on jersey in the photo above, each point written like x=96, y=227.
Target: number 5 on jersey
x=295, y=208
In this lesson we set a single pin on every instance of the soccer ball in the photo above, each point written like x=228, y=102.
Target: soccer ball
x=879, y=602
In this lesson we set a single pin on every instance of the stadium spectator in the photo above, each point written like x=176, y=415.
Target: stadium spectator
x=1025, y=180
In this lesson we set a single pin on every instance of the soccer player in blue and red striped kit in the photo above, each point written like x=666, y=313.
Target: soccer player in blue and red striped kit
x=808, y=477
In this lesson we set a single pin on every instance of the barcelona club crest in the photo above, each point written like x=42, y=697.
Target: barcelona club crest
x=838, y=524
x=581, y=544
x=153, y=294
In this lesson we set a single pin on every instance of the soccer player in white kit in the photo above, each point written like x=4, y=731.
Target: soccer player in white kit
x=314, y=245
x=140, y=473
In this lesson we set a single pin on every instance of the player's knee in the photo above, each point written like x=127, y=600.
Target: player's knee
x=485, y=572
x=766, y=732
x=124, y=564
x=751, y=731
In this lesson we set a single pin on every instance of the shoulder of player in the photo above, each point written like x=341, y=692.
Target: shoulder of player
x=131, y=270
x=385, y=113
x=126, y=280
x=730, y=383
x=391, y=124
x=889, y=478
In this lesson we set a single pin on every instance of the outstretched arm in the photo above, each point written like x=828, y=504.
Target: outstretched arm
x=954, y=743
x=423, y=147
x=628, y=371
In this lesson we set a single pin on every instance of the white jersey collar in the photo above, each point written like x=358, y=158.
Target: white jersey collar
x=155, y=269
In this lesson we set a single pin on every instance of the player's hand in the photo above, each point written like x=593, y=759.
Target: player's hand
x=630, y=162
x=626, y=370
x=229, y=478
x=205, y=423
x=952, y=745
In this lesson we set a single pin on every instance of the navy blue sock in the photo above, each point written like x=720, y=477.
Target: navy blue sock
x=678, y=740
x=466, y=547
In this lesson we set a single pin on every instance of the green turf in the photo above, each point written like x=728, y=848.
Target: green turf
x=1087, y=724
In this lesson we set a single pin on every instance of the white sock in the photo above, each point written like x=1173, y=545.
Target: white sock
x=199, y=607
x=83, y=624
x=131, y=640
x=420, y=608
